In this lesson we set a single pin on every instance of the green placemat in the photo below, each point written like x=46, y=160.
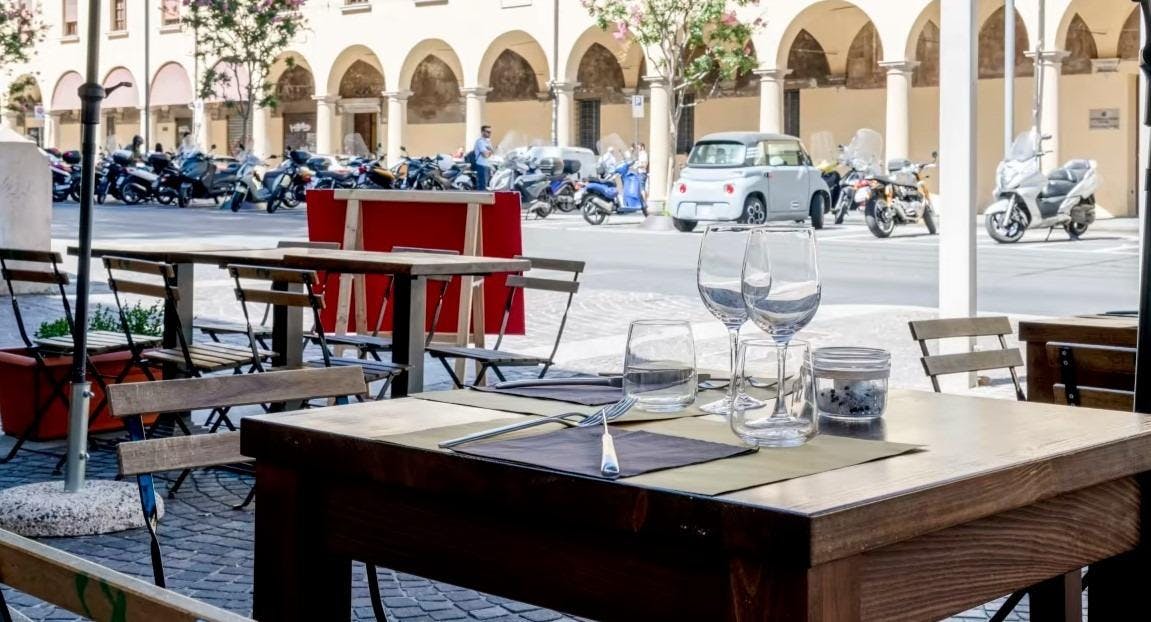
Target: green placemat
x=824, y=453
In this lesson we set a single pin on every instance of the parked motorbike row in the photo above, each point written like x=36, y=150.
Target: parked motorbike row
x=551, y=184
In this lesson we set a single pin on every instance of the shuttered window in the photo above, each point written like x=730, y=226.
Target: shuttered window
x=119, y=15
x=71, y=20
x=685, y=130
x=589, y=124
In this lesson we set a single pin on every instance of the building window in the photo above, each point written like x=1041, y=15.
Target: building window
x=685, y=131
x=119, y=15
x=355, y=2
x=71, y=23
x=589, y=124
x=170, y=12
x=791, y=112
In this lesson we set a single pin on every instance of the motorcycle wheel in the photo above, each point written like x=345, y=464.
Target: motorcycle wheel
x=133, y=194
x=237, y=200
x=273, y=205
x=182, y=198
x=101, y=196
x=592, y=215
x=74, y=192
x=1011, y=232
x=166, y=196
x=290, y=199
x=1075, y=229
x=59, y=195
x=929, y=220
x=879, y=219
x=567, y=205
x=842, y=206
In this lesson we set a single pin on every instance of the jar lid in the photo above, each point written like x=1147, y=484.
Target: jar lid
x=852, y=363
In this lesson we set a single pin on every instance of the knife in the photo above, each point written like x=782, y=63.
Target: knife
x=611, y=381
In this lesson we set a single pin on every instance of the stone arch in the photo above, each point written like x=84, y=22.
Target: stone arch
x=171, y=86
x=125, y=97
x=295, y=89
x=927, y=54
x=1128, y=46
x=436, y=94
x=863, y=71
x=512, y=78
x=437, y=48
x=808, y=61
x=600, y=75
x=628, y=54
x=991, y=51
x=828, y=22
x=361, y=81
x=65, y=95
x=1080, y=46
x=510, y=63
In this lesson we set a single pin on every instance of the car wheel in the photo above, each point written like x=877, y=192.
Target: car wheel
x=818, y=204
x=754, y=211
x=685, y=226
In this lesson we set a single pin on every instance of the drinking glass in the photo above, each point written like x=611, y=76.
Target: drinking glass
x=781, y=286
x=718, y=275
x=659, y=367
x=794, y=421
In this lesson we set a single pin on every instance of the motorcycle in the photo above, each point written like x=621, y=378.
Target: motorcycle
x=302, y=176
x=167, y=186
x=1027, y=199
x=330, y=177
x=248, y=187
x=374, y=175
x=72, y=159
x=862, y=156
x=61, y=177
x=899, y=198
x=201, y=179
x=113, y=172
x=137, y=184
x=600, y=198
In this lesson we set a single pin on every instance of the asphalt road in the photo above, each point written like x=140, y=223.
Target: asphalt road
x=1097, y=273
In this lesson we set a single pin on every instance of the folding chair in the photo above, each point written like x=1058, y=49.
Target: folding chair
x=215, y=328
x=191, y=359
x=495, y=358
x=45, y=269
x=308, y=299
x=966, y=362
x=373, y=344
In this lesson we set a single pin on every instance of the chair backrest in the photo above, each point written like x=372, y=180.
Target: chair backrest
x=124, y=276
x=969, y=327
x=281, y=280
x=298, y=244
x=91, y=590
x=517, y=282
x=1094, y=376
x=40, y=267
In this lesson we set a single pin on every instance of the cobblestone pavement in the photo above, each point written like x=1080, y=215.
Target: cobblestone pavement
x=208, y=546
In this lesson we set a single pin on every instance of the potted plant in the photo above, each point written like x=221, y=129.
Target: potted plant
x=18, y=373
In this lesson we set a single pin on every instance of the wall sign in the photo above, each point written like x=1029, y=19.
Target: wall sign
x=637, y=106
x=1104, y=119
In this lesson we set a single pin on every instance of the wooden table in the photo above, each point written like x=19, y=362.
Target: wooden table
x=1100, y=330
x=1006, y=495
x=410, y=269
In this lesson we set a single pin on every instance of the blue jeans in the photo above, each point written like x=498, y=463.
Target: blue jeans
x=483, y=175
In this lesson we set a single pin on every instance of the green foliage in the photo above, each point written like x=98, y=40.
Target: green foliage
x=23, y=95
x=20, y=30
x=238, y=41
x=141, y=321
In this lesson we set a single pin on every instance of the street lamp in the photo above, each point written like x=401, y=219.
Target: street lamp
x=1143, y=352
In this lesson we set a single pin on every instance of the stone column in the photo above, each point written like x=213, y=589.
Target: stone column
x=898, y=108
x=397, y=119
x=146, y=129
x=1050, y=68
x=201, y=126
x=51, y=129
x=564, y=101
x=771, y=99
x=260, y=145
x=659, y=149
x=474, y=97
x=327, y=140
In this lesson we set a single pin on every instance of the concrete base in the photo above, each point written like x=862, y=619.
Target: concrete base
x=658, y=223
x=43, y=509
x=25, y=200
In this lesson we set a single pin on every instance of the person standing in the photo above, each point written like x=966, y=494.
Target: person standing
x=483, y=151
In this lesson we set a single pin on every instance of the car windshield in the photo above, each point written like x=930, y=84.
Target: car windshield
x=717, y=153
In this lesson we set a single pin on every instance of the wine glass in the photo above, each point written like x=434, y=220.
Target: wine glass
x=718, y=276
x=781, y=288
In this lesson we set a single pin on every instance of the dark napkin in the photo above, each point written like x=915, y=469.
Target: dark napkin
x=577, y=450
x=575, y=394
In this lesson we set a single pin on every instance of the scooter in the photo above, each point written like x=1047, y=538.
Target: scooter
x=200, y=179
x=248, y=187
x=111, y=179
x=61, y=177
x=1028, y=199
x=600, y=198
x=72, y=159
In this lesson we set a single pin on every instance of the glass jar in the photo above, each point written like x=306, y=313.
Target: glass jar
x=851, y=383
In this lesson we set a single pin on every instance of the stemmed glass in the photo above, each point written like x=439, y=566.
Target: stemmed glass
x=718, y=275
x=781, y=289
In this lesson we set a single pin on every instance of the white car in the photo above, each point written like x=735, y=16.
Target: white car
x=750, y=178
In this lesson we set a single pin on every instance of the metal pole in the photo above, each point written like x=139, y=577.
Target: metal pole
x=1009, y=78
x=1143, y=354
x=1038, y=107
x=91, y=94
x=147, y=76
x=555, y=72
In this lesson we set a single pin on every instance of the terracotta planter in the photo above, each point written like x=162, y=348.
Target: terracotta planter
x=17, y=402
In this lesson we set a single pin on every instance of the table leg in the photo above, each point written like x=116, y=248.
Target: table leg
x=294, y=577
x=1040, y=375
x=1058, y=600
x=826, y=593
x=408, y=332
x=287, y=330
x=182, y=323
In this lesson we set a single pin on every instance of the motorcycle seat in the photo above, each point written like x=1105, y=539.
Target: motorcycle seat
x=336, y=175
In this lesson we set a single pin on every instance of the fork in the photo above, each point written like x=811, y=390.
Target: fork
x=607, y=413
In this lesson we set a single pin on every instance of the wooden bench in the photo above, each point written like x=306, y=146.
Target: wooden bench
x=1093, y=376
x=91, y=590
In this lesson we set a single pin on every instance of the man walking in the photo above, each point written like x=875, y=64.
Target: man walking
x=483, y=151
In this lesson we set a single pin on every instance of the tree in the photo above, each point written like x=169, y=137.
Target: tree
x=695, y=45
x=242, y=39
x=20, y=30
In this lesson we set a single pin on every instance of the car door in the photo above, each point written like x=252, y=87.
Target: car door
x=761, y=174
x=790, y=187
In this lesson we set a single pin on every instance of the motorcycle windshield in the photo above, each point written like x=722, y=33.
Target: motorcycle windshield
x=355, y=145
x=822, y=147
x=865, y=151
x=1025, y=147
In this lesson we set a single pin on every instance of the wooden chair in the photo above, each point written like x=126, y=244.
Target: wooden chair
x=91, y=590
x=373, y=371
x=374, y=344
x=1094, y=376
x=43, y=268
x=215, y=328
x=944, y=364
x=495, y=358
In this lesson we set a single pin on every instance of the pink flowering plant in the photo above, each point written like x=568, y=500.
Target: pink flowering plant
x=695, y=45
x=239, y=41
x=20, y=30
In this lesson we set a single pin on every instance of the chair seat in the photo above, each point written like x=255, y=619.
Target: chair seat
x=373, y=370
x=98, y=341
x=224, y=327
x=485, y=355
x=207, y=356
x=363, y=342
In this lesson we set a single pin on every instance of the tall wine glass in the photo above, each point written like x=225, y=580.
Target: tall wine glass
x=718, y=275
x=781, y=288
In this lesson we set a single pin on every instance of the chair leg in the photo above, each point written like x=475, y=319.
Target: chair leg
x=5, y=616
x=1008, y=606
x=179, y=482
x=383, y=392
x=157, y=555
x=374, y=590
x=451, y=372
x=247, y=500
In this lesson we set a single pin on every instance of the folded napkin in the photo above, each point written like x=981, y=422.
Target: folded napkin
x=587, y=395
x=578, y=450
